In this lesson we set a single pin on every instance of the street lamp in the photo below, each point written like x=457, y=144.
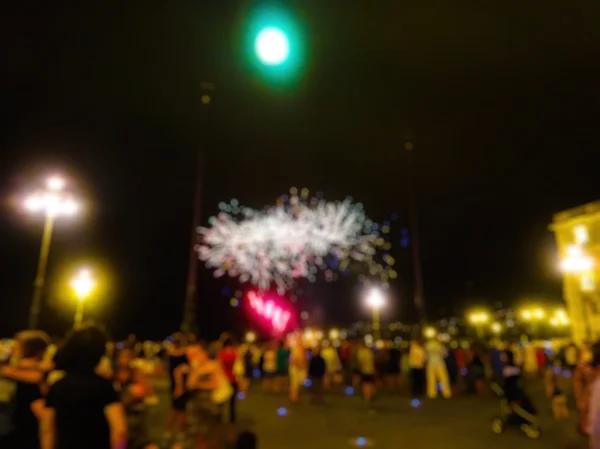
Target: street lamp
x=534, y=316
x=429, y=332
x=53, y=202
x=376, y=300
x=334, y=334
x=272, y=46
x=250, y=337
x=479, y=319
x=82, y=285
x=496, y=328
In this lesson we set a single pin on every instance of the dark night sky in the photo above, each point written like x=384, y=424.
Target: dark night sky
x=501, y=104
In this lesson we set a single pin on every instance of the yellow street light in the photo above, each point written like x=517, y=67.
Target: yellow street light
x=496, y=328
x=429, y=332
x=250, y=337
x=479, y=318
x=334, y=334
x=534, y=314
x=527, y=315
x=376, y=300
x=82, y=285
x=52, y=202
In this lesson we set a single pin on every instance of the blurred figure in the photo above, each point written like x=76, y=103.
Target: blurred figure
x=269, y=367
x=131, y=382
x=83, y=410
x=393, y=377
x=416, y=364
x=228, y=356
x=283, y=358
x=557, y=395
x=21, y=399
x=584, y=377
x=176, y=358
x=297, y=369
x=437, y=373
x=203, y=412
x=332, y=365
x=365, y=359
x=477, y=369
x=316, y=373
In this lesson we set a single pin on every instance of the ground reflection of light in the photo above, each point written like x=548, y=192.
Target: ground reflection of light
x=282, y=411
x=241, y=396
x=415, y=403
x=361, y=441
x=349, y=391
x=307, y=383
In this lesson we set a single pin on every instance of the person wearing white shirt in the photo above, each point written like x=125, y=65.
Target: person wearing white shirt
x=437, y=372
x=416, y=364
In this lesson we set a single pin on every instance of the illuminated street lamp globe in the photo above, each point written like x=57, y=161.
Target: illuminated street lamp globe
x=272, y=46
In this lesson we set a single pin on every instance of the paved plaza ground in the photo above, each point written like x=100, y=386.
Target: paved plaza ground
x=458, y=423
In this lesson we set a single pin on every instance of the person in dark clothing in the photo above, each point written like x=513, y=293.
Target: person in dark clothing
x=316, y=373
x=83, y=409
x=393, y=367
x=177, y=358
x=246, y=440
x=20, y=391
x=452, y=368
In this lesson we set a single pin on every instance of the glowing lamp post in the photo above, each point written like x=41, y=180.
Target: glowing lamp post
x=250, y=337
x=334, y=334
x=479, y=319
x=496, y=328
x=429, y=332
x=376, y=300
x=82, y=285
x=52, y=202
x=533, y=316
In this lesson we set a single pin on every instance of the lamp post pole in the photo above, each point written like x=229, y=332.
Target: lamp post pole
x=419, y=298
x=40, y=277
x=190, y=310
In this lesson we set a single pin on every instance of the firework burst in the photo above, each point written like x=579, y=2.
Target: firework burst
x=295, y=239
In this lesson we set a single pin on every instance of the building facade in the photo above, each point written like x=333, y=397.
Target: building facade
x=577, y=233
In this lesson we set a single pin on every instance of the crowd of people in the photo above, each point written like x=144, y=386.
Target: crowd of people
x=86, y=392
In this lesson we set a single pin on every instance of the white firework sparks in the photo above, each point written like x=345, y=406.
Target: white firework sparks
x=283, y=243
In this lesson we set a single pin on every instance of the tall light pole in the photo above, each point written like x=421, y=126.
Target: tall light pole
x=376, y=300
x=419, y=295
x=190, y=308
x=82, y=285
x=53, y=202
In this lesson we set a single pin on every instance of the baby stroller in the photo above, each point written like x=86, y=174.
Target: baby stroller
x=516, y=409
